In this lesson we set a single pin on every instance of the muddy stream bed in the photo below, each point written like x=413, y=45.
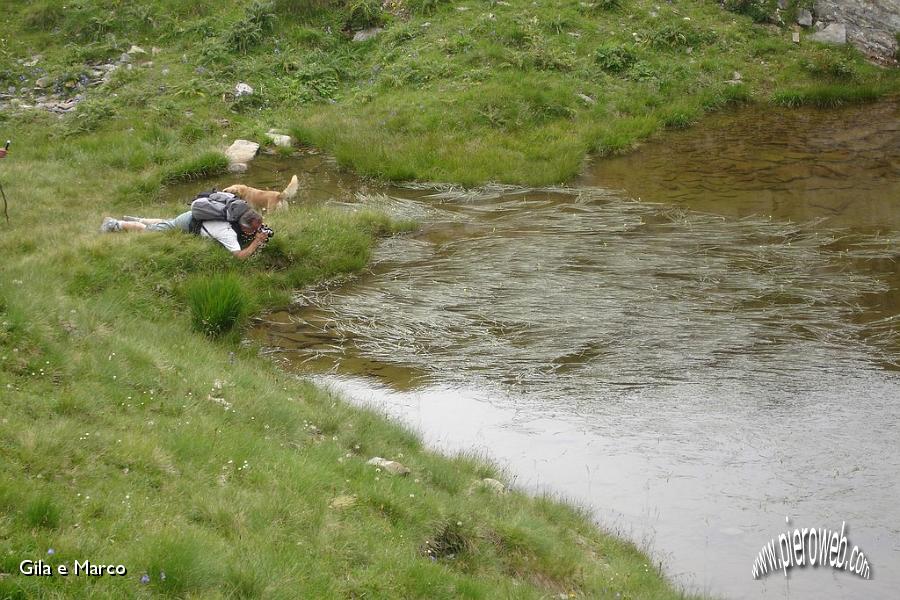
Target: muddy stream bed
x=696, y=341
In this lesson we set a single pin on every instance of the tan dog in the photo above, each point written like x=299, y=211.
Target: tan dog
x=264, y=200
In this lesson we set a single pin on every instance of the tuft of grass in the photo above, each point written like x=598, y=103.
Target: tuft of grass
x=252, y=29
x=761, y=11
x=614, y=58
x=450, y=540
x=203, y=166
x=43, y=15
x=362, y=14
x=42, y=511
x=89, y=116
x=828, y=95
x=218, y=304
x=831, y=65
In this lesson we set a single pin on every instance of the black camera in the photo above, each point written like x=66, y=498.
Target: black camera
x=269, y=233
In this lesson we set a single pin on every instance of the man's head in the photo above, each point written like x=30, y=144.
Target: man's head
x=250, y=221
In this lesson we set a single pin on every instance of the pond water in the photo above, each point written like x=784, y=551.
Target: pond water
x=697, y=340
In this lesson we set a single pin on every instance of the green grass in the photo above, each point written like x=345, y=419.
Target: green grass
x=218, y=304
x=129, y=437
x=827, y=95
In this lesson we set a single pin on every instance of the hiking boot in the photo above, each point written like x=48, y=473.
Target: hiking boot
x=110, y=224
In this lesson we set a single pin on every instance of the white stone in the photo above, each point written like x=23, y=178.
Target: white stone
x=804, y=18
x=242, y=89
x=367, y=34
x=391, y=466
x=493, y=485
x=237, y=168
x=241, y=151
x=279, y=139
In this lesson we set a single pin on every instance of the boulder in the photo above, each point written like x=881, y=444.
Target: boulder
x=493, y=485
x=804, y=18
x=279, y=139
x=241, y=151
x=871, y=25
x=367, y=34
x=390, y=466
x=836, y=34
x=237, y=168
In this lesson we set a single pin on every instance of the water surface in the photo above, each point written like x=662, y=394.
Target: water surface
x=697, y=340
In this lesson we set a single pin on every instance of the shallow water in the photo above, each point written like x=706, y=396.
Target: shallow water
x=696, y=340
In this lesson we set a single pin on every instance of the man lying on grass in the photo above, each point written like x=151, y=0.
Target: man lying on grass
x=241, y=237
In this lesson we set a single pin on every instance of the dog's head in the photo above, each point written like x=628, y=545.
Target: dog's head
x=238, y=189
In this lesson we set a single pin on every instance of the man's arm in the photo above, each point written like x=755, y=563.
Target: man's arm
x=251, y=248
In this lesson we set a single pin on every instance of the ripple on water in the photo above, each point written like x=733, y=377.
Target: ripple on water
x=692, y=368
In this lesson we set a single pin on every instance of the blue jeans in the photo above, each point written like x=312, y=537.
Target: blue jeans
x=182, y=222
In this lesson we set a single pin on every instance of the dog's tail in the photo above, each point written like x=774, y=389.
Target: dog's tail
x=291, y=190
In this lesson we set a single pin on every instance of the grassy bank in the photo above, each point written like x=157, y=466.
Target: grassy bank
x=131, y=437
x=128, y=436
x=466, y=91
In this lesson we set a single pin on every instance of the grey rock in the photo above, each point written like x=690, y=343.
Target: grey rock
x=279, y=139
x=43, y=82
x=871, y=25
x=586, y=99
x=125, y=58
x=237, y=168
x=136, y=50
x=836, y=34
x=783, y=4
x=242, y=89
x=367, y=34
x=804, y=18
x=241, y=151
x=390, y=466
x=493, y=485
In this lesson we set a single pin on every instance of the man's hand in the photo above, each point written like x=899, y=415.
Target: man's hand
x=2, y=152
x=258, y=240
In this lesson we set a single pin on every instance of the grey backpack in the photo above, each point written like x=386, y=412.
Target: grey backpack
x=218, y=206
